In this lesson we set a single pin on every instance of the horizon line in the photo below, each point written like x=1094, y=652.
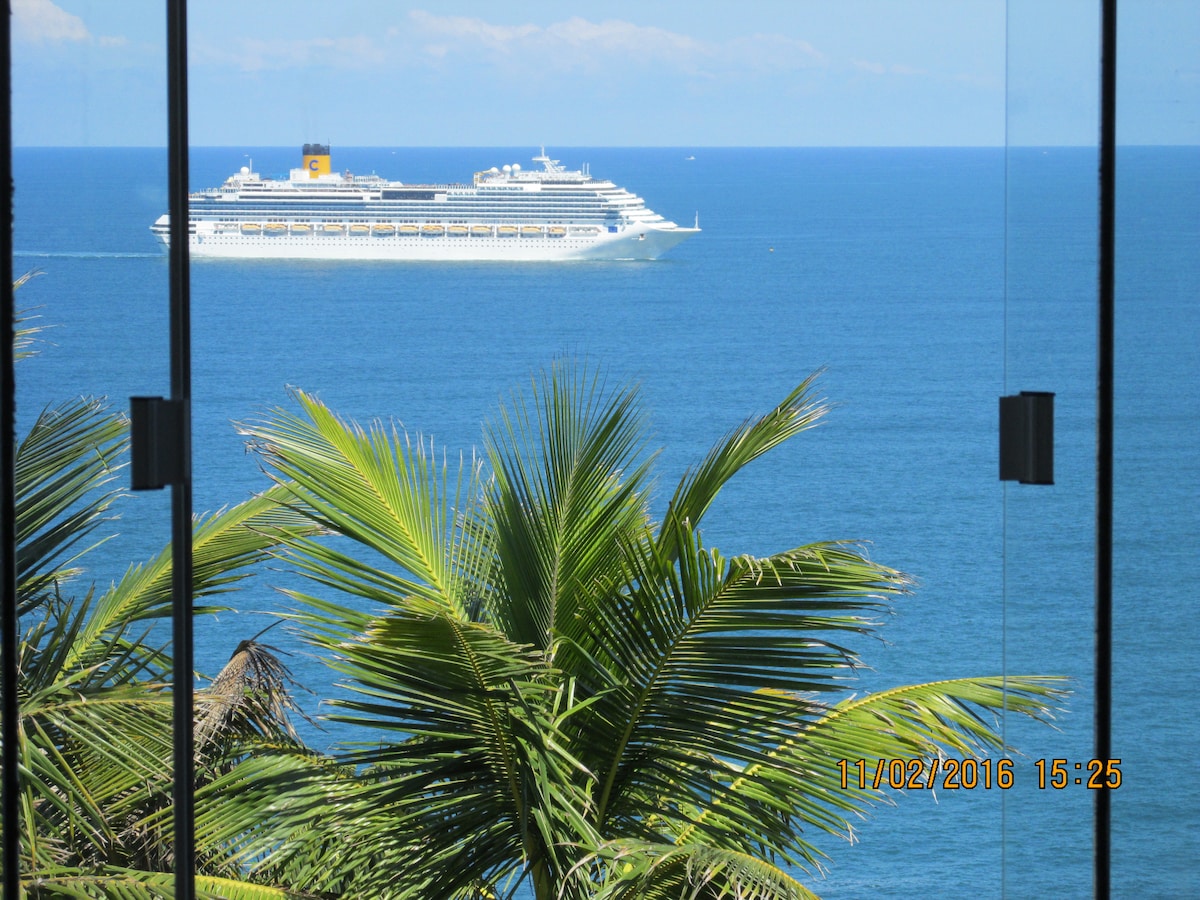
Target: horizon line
x=1071, y=146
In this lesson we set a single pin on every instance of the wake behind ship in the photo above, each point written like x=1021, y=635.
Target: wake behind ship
x=506, y=214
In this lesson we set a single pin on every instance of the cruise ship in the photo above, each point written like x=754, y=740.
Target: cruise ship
x=507, y=213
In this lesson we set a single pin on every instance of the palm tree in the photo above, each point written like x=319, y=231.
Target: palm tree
x=560, y=690
x=95, y=701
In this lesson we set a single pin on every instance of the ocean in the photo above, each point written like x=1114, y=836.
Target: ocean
x=924, y=283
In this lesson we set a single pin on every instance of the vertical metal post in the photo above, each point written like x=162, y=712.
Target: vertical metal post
x=1104, y=436
x=10, y=783
x=181, y=491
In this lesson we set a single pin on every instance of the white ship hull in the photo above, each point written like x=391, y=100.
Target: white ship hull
x=631, y=245
x=509, y=214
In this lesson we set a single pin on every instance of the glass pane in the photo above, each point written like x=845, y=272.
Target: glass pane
x=1049, y=345
x=840, y=238
x=89, y=122
x=1157, y=423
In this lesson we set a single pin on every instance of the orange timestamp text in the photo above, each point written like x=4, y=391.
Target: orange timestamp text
x=975, y=774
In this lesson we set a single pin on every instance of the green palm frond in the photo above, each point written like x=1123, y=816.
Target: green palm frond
x=232, y=889
x=389, y=494
x=96, y=713
x=472, y=711
x=561, y=690
x=816, y=769
x=268, y=812
x=629, y=870
x=568, y=490
x=25, y=335
x=922, y=721
x=62, y=467
x=96, y=745
x=225, y=545
x=91, y=763
x=698, y=488
x=713, y=659
x=430, y=674
x=130, y=884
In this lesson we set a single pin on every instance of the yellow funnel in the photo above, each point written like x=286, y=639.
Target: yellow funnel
x=316, y=159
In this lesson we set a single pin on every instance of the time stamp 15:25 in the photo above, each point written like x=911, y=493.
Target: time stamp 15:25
x=974, y=774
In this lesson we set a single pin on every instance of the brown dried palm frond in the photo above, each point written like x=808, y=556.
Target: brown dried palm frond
x=251, y=696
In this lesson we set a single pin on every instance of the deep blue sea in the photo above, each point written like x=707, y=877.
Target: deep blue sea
x=925, y=283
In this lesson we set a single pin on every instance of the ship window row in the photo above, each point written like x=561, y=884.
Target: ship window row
x=523, y=197
x=407, y=209
x=438, y=211
x=402, y=194
x=415, y=210
x=393, y=220
x=427, y=196
x=472, y=203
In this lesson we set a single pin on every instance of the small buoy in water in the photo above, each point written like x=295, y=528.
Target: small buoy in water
x=772, y=249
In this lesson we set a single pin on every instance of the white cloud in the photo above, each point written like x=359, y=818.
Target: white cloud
x=573, y=44
x=569, y=44
x=614, y=36
x=255, y=55
x=774, y=53
x=865, y=66
x=466, y=29
x=41, y=21
x=466, y=33
x=876, y=68
x=577, y=43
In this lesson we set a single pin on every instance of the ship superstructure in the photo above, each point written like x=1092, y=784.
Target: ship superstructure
x=507, y=213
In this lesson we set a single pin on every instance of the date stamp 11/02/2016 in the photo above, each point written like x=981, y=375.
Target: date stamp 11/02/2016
x=975, y=774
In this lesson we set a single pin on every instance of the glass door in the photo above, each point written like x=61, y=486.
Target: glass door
x=94, y=566
x=1050, y=532
x=1156, y=472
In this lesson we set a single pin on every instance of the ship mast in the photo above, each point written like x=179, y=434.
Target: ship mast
x=550, y=164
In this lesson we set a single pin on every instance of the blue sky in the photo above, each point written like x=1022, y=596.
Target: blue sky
x=609, y=72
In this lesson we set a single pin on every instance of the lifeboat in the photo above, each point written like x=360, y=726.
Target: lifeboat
x=332, y=228
x=275, y=228
x=481, y=231
x=383, y=230
x=359, y=230
x=457, y=231
x=432, y=230
x=301, y=228
x=251, y=228
x=409, y=229
x=531, y=231
x=506, y=231
x=556, y=231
